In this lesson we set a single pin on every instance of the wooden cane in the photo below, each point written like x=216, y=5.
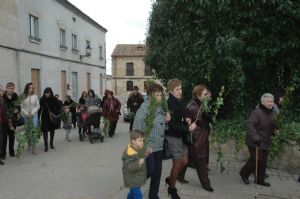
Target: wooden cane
x=256, y=170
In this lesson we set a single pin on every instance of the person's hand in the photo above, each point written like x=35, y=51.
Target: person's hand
x=141, y=162
x=148, y=151
x=167, y=117
x=188, y=120
x=192, y=127
x=257, y=140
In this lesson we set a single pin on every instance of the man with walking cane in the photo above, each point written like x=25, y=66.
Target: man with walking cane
x=260, y=128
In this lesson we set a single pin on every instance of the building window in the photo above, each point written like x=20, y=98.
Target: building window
x=148, y=70
x=74, y=43
x=129, y=69
x=101, y=84
x=145, y=85
x=34, y=28
x=88, y=77
x=129, y=85
x=74, y=85
x=63, y=39
x=100, y=52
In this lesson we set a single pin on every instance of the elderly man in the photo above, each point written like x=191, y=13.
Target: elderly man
x=260, y=128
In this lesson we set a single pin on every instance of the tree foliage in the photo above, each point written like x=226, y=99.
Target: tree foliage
x=250, y=47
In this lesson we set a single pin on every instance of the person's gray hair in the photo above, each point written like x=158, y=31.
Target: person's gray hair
x=265, y=96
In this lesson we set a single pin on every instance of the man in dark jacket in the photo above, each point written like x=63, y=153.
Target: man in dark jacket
x=260, y=128
x=2, y=122
x=134, y=102
x=10, y=98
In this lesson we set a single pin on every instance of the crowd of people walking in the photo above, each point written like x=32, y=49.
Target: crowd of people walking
x=42, y=117
x=182, y=133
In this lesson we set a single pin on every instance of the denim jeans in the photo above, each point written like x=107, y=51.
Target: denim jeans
x=135, y=193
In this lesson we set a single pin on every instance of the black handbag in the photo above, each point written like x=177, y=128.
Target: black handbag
x=55, y=119
x=166, y=150
x=18, y=120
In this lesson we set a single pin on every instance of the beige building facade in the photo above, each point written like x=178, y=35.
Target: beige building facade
x=129, y=69
x=52, y=44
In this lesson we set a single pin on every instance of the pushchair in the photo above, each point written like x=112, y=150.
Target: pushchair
x=94, y=116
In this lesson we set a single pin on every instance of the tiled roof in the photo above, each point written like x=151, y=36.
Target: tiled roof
x=129, y=50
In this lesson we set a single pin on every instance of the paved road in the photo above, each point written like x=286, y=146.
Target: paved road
x=93, y=171
x=73, y=171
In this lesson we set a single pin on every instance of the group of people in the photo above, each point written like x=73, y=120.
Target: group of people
x=43, y=116
x=183, y=133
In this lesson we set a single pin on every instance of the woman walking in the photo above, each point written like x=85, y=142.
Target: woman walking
x=83, y=97
x=30, y=107
x=50, y=109
x=199, y=144
x=111, y=110
x=179, y=126
x=156, y=137
x=260, y=128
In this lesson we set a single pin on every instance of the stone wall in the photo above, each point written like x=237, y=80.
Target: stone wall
x=289, y=161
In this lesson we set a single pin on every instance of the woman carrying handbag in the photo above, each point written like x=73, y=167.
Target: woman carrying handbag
x=49, y=116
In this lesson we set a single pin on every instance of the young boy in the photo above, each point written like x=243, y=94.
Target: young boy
x=67, y=123
x=134, y=167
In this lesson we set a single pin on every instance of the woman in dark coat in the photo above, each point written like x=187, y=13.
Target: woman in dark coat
x=260, y=128
x=111, y=110
x=48, y=104
x=179, y=126
x=83, y=97
x=199, y=149
x=70, y=102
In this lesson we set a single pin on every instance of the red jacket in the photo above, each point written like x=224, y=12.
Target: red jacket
x=111, y=109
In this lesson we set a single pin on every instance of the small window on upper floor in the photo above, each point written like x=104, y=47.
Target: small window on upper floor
x=74, y=44
x=100, y=52
x=88, y=45
x=129, y=69
x=63, y=39
x=34, y=29
x=140, y=48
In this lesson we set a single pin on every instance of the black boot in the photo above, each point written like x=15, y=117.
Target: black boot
x=173, y=193
x=51, y=139
x=167, y=180
x=45, y=136
x=207, y=188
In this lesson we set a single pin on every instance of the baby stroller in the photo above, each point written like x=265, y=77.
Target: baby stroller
x=94, y=116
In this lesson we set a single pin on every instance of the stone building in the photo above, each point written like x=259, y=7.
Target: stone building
x=129, y=69
x=52, y=44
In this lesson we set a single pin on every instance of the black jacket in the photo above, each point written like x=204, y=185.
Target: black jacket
x=177, y=125
x=134, y=102
x=48, y=105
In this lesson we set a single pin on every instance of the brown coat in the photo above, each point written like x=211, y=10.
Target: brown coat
x=111, y=109
x=261, y=125
x=200, y=148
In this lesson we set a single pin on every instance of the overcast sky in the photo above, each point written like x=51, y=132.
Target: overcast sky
x=125, y=20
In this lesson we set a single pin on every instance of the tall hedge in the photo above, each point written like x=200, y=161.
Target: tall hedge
x=249, y=46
